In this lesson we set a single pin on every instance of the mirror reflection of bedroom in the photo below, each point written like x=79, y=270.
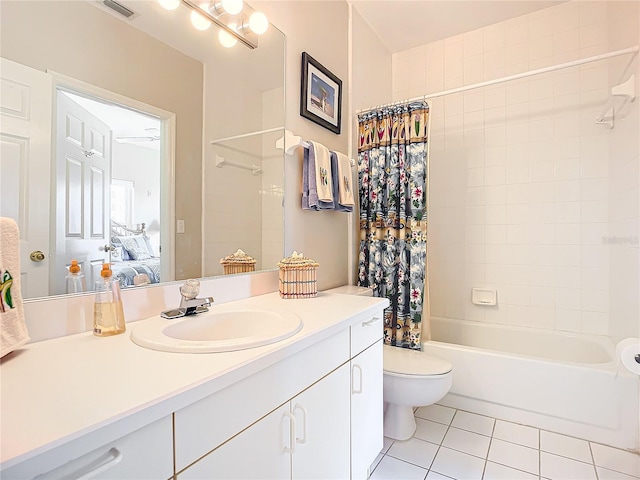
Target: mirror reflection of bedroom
x=108, y=168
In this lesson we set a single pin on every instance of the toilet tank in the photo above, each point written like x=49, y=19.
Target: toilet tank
x=352, y=290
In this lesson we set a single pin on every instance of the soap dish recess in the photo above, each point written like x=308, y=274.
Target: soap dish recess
x=484, y=296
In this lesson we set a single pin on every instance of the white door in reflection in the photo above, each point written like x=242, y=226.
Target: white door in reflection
x=82, y=192
x=107, y=191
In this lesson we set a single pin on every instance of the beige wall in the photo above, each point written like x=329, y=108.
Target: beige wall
x=321, y=29
x=81, y=41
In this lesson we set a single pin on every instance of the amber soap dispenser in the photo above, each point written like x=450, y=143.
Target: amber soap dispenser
x=108, y=314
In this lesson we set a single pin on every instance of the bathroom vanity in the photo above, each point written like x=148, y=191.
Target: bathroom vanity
x=307, y=406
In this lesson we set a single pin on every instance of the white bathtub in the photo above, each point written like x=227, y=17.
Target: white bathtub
x=565, y=383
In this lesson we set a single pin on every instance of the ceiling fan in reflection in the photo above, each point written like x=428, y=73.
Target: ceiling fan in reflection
x=153, y=136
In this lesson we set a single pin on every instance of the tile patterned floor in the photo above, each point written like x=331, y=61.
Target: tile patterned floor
x=454, y=444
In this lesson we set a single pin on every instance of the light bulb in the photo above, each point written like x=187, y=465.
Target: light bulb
x=199, y=21
x=258, y=23
x=232, y=7
x=169, y=4
x=226, y=39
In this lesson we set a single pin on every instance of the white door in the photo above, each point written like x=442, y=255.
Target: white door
x=25, y=167
x=323, y=429
x=366, y=410
x=82, y=191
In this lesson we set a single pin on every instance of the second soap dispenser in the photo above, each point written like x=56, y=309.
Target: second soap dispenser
x=108, y=314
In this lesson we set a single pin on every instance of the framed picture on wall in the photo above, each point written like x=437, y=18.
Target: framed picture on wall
x=321, y=94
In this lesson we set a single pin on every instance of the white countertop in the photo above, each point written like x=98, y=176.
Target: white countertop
x=58, y=390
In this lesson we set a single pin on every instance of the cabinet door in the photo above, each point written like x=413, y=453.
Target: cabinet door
x=322, y=428
x=256, y=453
x=366, y=409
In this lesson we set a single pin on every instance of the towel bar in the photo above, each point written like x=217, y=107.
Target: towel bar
x=289, y=142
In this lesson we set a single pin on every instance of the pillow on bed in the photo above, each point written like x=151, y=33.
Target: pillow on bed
x=117, y=244
x=137, y=246
x=118, y=254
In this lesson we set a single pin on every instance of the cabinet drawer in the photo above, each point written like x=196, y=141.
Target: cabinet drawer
x=366, y=331
x=145, y=453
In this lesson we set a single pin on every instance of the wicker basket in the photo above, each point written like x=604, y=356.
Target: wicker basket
x=239, y=262
x=298, y=277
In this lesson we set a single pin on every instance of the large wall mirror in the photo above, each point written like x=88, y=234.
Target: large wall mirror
x=140, y=141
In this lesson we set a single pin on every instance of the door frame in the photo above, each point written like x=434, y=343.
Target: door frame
x=167, y=158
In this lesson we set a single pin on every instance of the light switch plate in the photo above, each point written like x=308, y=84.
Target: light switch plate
x=179, y=226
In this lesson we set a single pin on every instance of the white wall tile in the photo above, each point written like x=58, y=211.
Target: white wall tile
x=496, y=195
x=595, y=323
x=568, y=320
x=593, y=35
x=527, y=185
x=495, y=97
x=516, y=31
x=540, y=25
x=595, y=300
x=542, y=297
x=517, y=92
x=494, y=175
x=566, y=190
x=567, y=41
x=454, y=104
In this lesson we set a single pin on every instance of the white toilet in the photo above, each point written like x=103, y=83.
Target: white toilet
x=411, y=379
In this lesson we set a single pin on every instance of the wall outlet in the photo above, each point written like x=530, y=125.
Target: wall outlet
x=179, y=226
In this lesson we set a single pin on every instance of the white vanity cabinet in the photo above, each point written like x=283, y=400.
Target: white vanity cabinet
x=306, y=438
x=322, y=431
x=317, y=414
x=146, y=453
x=366, y=410
x=366, y=394
x=306, y=408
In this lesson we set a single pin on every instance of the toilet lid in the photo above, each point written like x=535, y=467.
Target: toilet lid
x=413, y=362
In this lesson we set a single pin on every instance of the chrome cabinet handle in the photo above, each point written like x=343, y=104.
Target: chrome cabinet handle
x=358, y=390
x=107, y=248
x=368, y=323
x=112, y=458
x=292, y=433
x=304, y=423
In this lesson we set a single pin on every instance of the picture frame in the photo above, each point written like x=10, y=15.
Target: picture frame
x=321, y=94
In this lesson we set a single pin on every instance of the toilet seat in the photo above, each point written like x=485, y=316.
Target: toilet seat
x=403, y=362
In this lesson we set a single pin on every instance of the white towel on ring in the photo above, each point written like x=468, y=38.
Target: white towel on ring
x=323, y=172
x=345, y=184
x=13, y=330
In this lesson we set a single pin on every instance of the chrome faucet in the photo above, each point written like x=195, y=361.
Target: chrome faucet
x=189, y=304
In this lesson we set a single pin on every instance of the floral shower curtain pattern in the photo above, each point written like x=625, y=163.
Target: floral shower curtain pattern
x=392, y=174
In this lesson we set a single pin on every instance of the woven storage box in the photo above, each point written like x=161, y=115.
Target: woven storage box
x=239, y=262
x=298, y=277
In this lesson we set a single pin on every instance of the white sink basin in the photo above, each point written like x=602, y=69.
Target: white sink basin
x=216, y=331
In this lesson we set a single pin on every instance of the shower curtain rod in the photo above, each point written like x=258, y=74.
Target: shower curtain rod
x=516, y=76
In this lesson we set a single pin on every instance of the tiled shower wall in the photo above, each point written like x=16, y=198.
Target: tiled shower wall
x=521, y=183
x=624, y=182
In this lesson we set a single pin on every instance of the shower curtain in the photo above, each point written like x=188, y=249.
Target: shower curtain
x=392, y=175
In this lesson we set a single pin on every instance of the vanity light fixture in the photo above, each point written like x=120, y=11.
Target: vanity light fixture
x=237, y=20
x=258, y=23
x=226, y=39
x=169, y=4
x=198, y=21
x=232, y=7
